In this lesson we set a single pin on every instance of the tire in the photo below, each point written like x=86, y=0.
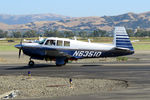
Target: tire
x=31, y=63
x=61, y=64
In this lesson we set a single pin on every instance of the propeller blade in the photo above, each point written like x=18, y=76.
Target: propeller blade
x=19, y=52
x=20, y=48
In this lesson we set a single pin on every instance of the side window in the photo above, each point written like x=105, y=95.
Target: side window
x=66, y=43
x=59, y=43
x=47, y=42
x=50, y=42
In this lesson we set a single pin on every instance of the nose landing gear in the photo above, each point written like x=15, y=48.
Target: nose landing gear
x=31, y=63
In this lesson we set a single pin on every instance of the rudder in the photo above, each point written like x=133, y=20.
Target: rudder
x=121, y=39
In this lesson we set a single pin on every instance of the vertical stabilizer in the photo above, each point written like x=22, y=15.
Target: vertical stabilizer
x=121, y=39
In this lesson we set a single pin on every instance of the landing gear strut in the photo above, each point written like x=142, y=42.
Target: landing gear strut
x=31, y=63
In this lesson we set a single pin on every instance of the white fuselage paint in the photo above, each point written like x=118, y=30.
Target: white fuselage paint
x=80, y=48
x=76, y=45
x=90, y=46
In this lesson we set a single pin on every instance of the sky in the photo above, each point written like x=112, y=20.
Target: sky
x=74, y=8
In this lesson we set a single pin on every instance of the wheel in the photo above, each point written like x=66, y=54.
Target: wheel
x=31, y=63
x=61, y=64
x=61, y=61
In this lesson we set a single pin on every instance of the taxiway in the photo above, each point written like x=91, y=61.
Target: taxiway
x=135, y=72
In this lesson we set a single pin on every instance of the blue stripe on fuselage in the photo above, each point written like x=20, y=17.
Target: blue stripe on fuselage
x=40, y=52
x=35, y=53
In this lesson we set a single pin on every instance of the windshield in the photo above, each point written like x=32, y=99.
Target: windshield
x=41, y=42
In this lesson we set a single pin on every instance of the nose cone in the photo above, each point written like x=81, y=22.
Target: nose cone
x=18, y=46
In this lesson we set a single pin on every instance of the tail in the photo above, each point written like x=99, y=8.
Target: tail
x=121, y=39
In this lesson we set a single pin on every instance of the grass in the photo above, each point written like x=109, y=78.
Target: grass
x=121, y=58
x=8, y=46
x=140, y=46
x=143, y=44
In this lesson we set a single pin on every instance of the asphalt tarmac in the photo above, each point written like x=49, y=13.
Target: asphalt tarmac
x=137, y=76
x=136, y=73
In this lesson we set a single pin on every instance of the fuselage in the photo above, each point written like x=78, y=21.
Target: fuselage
x=68, y=48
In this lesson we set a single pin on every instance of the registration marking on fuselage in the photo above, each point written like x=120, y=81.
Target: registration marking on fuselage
x=87, y=53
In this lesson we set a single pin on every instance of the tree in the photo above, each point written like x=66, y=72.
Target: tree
x=48, y=33
x=98, y=33
x=51, y=33
x=3, y=34
x=68, y=34
x=142, y=33
x=130, y=32
x=82, y=34
x=102, y=33
x=16, y=34
x=30, y=33
x=55, y=33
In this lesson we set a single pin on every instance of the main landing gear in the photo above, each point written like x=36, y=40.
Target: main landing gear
x=61, y=61
x=31, y=63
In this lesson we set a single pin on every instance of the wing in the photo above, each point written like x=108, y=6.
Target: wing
x=57, y=53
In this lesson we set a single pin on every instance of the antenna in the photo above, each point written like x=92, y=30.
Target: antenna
x=89, y=40
x=75, y=38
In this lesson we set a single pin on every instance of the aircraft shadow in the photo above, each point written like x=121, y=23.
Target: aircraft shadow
x=90, y=65
x=44, y=66
x=31, y=67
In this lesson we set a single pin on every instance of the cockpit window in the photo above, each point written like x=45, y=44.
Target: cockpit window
x=66, y=43
x=50, y=42
x=59, y=43
x=41, y=42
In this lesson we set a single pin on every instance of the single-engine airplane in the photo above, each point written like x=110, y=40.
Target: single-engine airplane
x=61, y=49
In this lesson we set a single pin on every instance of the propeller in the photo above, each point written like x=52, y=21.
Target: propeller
x=20, y=48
